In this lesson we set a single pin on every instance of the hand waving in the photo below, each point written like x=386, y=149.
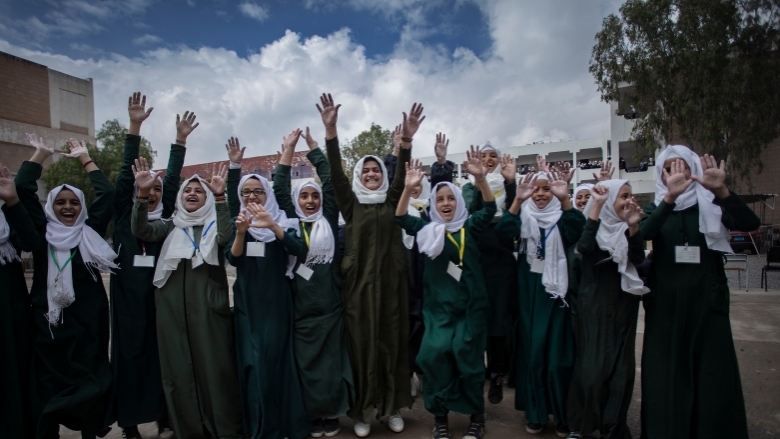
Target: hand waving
x=414, y=174
x=291, y=140
x=606, y=171
x=526, y=186
x=144, y=179
x=310, y=140
x=234, y=150
x=329, y=112
x=77, y=150
x=564, y=171
x=508, y=168
x=714, y=177
x=599, y=194
x=136, y=108
x=676, y=183
x=7, y=185
x=473, y=163
x=39, y=145
x=635, y=213
x=412, y=122
x=542, y=165
x=217, y=183
x=442, y=143
x=558, y=186
x=184, y=125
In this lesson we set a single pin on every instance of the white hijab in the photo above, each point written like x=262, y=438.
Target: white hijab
x=94, y=250
x=179, y=243
x=555, y=276
x=495, y=180
x=158, y=209
x=709, y=214
x=582, y=187
x=421, y=202
x=363, y=194
x=430, y=239
x=611, y=237
x=7, y=250
x=322, y=243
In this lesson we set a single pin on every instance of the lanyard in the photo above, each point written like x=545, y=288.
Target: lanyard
x=462, y=247
x=544, y=240
x=202, y=235
x=54, y=258
x=305, y=234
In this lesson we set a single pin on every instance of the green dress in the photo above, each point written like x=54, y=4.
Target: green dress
x=195, y=336
x=690, y=378
x=16, y=332
x=137, y=395
x=605, y=319
x=271, y=395
x=321, y=347
x=456, y=313
x=72, y=375
x=545, y=351
x=376, y=302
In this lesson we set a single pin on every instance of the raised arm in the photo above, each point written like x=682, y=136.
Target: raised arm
x=409, y=127
x=123, y=188
x=441, y=169
x=320, y=163
x=139, y=222
x=236, y=155
x=736, y=214
x=27, y=181
x=172, y=180
x=413, y=177
x=345, y=198
x=656, y=216
x=217, y=187
x=282, y=184
x=101, y=210
x=25, y=234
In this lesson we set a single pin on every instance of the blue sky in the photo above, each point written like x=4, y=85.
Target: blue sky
x=509, y=71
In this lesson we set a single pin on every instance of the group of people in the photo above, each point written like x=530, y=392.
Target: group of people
x=348, y=288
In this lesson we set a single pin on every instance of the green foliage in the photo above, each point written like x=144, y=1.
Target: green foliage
x=374, y=141
x=705, y=71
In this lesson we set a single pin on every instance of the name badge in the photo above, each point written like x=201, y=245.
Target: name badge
x=454, y=271
x=143, y=261
x=537, y=266
x=197, y=260
x=517, y=255
x=684, y=254
x=255, y=249
x=304, y=271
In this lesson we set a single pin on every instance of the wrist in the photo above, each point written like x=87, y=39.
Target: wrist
x=12, y=200
x=721, y=193
x=135, y=128
x=669, y=198
x=441, y=160
x=143, y=193
x=331, y=132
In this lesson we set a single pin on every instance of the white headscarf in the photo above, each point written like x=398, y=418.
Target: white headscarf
x=421, y=202
x=158, y=209
x=179, y=243
x=363, y=194
x=495, y=180
x=94, y=250
x=430, y=239
x=709, y=214
x=322, y=243
x=581, y=187
x=555, y=276
x=7, y=250
x=611, y=237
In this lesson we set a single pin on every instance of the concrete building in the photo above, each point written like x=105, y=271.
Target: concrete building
x=264, y=165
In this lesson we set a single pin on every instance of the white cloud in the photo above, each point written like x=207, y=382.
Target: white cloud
x=532, y=84
x=147, y=39
x=253, y=10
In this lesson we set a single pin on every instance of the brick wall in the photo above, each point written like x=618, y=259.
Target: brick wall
x=24, y=91
x=13, y=155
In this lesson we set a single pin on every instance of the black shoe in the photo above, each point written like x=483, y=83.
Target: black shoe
x=534, y=428
x=496, y=392
x=131, y=433
x=332, y=427
x=317, y=429
x=562, y=430
x=164, y=430
x=475, y=431
x=441, y=431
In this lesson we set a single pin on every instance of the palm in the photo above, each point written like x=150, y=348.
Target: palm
x=676, y=184
x=77, y=150
x=145, y=180
x=508, y=171
x=525, y=190
x=559, y=188
x=713, y=178
x=137, y=113
x=635, y=215
x=235, y=151
x=7, y=188
x=263, y=220
x=412, y=122
x=413, y=178
x=38, y=143
x=217, y=184
x=474, y=167
x=184, y=128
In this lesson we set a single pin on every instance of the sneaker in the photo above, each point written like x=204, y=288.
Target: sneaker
x=316, y=428
x=574, y=435
x=414, y=387
x=362, y=430
x=534, y=428
x=475, y=431
x=164, y=430
x=396, y=423
x=441, y=431
x=131, y=433
x=332, y=427
x=496, y=391
x=562, y=430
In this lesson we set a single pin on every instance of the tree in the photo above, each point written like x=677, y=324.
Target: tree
x=374, y=141
x=705, y=71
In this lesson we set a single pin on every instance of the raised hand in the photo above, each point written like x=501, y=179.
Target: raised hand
x=676, y=183
x=508, y=168
x=412, y=122
x=606, y=171
x=541, y=164
x=310, y=140
x=242, y=221
x=143, y=178
x=442, y=143
x=526, y=186
x=40, y=146
x=291, y=140
x=414, y=174
x=261, y=218
x=599, y=194
x=329, y=112
x=714, y=177
x=77, y=150
x=185, y=125
x=473, y=163
x=635, y=213
x=217, y=183
x=234, y=150
x=558, y=186
x=7, y=186
x=136, y=108
x=564, y=171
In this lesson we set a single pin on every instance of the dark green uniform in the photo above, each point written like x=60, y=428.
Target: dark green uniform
x=137, y=395
x=195, y=336
x=72, y=376
x=455, y=312
x=271, y=394
x=321, y=347
x=16, y=330
x=690, y=378
x=375, y=294
x=545, y=351
x=605, y=319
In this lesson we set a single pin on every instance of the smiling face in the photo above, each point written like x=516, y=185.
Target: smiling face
x=542, y=195
x=668, y=167
x=371, y=175
x=194, y=196
x=446, y=202
x=416, y=191
x=155, y=195
x=489, y=160
x=622, y=202
x=582, y=199
x=253, y=192
x=309, y=201
x=67, y=207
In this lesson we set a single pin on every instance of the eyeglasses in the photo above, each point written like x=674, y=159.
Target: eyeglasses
x=256, y=192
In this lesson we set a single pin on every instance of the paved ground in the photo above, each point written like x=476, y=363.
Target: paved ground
x=755, y=320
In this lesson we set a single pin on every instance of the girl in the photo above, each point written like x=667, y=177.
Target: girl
x=582, y=195
x=604, y=311
x=194, y=324
x=70, y=306
x=271, y=394
x=456, y=307
x=546, y=224
x=690, y=377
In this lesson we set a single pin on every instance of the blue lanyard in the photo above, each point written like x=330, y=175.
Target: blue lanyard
x=202, y=235
x=544, y=240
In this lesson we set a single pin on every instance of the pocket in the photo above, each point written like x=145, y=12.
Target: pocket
x=217, y=295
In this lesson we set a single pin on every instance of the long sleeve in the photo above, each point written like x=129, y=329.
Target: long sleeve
x=123, y=188
x=636, y=248
x=345, y=198
x=27, y=188
x=571, y=223
x=511, y=192
x=102, y=208
x=282, y=188
x=24, y=234
x=329, y=208
x=470, y=196
x=391, y=162
x=411, y=224
x=654, y=219
x=508, y=227
x=397, y=186
x=224, y=225
x=587, y=242
x=155, y=231
x=480, y=219
x=293, y=244
x=441, y=172
x=172, y=179
x=234, y=203
x=737, y=215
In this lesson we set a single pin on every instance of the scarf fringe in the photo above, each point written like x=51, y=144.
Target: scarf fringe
x=8, y=253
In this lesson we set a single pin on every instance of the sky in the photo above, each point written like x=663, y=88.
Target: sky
x=511, y=72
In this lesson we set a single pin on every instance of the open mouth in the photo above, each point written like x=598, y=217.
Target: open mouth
x=311, y=209
x=446, y=210
x=192, y=199
x=69, y=215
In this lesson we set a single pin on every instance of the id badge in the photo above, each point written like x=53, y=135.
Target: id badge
x=304, y=271
x=143, y=261
x=255, y=249
x=684, y=254
x=197, y=260
x=454, y=271
x=537, y=266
